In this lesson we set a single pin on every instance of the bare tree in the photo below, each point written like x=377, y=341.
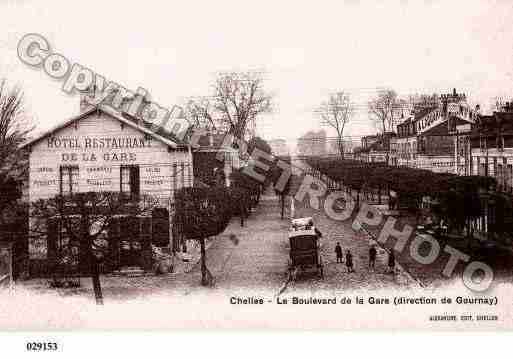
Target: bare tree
x=384, y=109
x=239, y=98
x=14, y=126
x=14, y=129
x=336, y=113
x=199, y=111
x=84, y=218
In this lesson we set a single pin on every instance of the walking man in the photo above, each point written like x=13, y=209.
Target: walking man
x=391, y=262
x=338, y=252
x=349, y=261
x=372, y=257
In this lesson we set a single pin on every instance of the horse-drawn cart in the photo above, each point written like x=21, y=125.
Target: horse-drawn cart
x=305, y=245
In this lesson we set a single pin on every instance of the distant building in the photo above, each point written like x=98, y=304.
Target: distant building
x=214, y=159
x=375, y=148
x=491, y=147
x=368, y=141
x=279, y=147
x=312, y=144
x=434, y=136
x=102, y=150
x=332, y=147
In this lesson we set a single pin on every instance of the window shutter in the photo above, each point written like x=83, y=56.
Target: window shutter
x=134, y=181
x=160, y=227
x=145, y=239
x=52, y=235
x=113, y=239
x=145, y=231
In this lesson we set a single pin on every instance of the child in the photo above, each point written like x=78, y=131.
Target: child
x=372, y=257
x=391, y=262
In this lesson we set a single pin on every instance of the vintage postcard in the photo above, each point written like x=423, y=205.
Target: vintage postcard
x=263, y=165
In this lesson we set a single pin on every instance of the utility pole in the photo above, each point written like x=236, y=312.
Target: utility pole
x=456, y=156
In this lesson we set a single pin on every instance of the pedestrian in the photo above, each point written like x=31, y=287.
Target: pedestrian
x=391, y=262
x=349, y=261
x=338, y=252
x=372, y=257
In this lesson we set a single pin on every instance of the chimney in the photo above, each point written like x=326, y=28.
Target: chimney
x=84, y=104
x=145, y=102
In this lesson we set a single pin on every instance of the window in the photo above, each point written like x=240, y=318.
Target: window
x=482, y=169
x=129, y=181
x=189, y=175
x=60, y=246
x=174, y=178
x=500, y=143
x=68, y=180
x=482, y=143
x=500, y=176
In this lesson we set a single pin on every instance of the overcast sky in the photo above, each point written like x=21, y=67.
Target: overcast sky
x=307, y=50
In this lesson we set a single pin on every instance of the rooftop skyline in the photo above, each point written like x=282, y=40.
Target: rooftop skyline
x=305, y=51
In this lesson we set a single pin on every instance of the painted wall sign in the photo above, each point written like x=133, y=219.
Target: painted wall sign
x=98, y=142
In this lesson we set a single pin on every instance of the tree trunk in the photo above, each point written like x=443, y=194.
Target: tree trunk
x=379, y=195
x=282, y=197
x=204, y=279
x=95, y=276
x=84, y=255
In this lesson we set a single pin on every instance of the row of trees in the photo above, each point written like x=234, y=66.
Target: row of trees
x=408, y=183
x=203, y=212
x=459, y=200
x=84, y=219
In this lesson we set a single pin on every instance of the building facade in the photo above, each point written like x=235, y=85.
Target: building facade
x=491, y=147
x=101, y=150
x=313, y=143
x=435, y=136
x=215, y=158
x=376, y=148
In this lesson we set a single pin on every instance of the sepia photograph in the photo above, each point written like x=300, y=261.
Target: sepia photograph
x=255, y=165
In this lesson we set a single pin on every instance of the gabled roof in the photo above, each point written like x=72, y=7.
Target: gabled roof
x=159, y=131
x=492, y=125
x=442, y=128
x=159, y=135
x=439, y=129
x=423, y=112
